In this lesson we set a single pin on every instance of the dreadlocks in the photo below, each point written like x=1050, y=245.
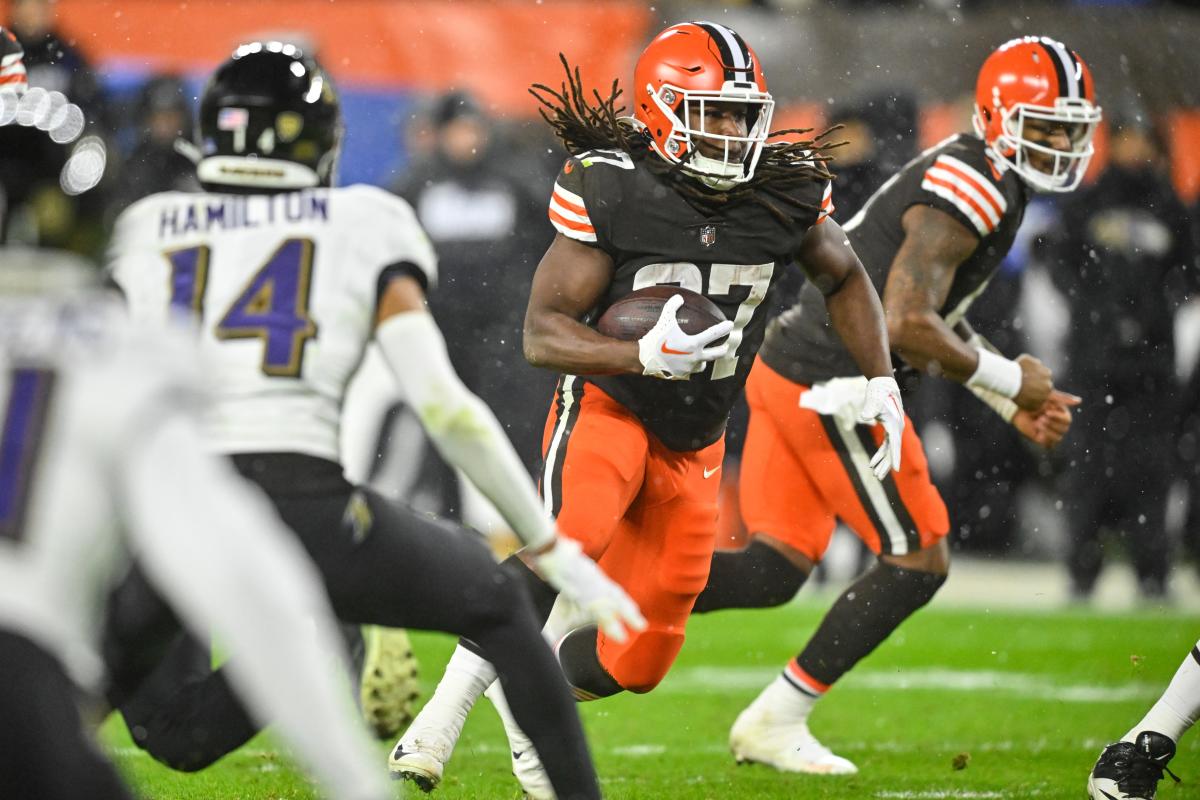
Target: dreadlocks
x=583, y=125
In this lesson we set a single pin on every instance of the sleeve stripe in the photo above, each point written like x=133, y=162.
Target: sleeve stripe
x=578, y=225
x=569, y=214
x=946, y=172
x=570, y=200
x=967, y=172
x=572, y=230
x=984, y=206
x=827, y=207
x=969, y=208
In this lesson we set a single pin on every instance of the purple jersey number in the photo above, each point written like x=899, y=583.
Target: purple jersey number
x=20, y=440
x=189, y=276
x=272, y=307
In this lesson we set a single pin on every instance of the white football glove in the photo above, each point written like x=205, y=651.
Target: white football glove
x=667, y=352
x=882, y=405
x=577, y=578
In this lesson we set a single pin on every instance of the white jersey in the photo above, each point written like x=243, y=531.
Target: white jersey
x=101, y=461
x=285, y=286
x=75, y=389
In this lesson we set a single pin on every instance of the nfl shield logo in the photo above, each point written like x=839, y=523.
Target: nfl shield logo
x=708, y=235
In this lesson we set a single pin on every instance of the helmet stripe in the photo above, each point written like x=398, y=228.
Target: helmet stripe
x=744, y=51
x=735, y=57
x=1077, y=69
x=1068, y=86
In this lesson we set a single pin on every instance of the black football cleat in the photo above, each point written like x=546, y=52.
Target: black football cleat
x=1132, y=770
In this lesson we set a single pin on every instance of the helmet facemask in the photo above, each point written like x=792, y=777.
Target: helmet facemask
x=681, y=144
x=1012, y=146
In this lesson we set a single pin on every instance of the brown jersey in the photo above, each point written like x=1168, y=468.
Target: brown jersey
x=957, y=176
x=611, y=200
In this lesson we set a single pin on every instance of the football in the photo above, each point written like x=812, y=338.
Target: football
x=633, y=315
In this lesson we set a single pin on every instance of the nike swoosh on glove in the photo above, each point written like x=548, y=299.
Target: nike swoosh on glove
x=667, y=352
x=883, y=406
x=580, y=581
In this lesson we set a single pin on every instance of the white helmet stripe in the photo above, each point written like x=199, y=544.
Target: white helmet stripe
x=1067, y=70
x=728, y=43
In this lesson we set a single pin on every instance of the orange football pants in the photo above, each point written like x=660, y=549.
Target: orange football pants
x=646, y=514
x=801, y=473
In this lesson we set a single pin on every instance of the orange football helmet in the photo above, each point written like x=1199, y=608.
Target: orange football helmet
x=685, y=67
x=1036, y=77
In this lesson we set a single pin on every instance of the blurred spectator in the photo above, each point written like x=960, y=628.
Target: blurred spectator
x=856, y=168
x=891, y=116
x=483, y=205
x=163, y=117
x=1189, y=440
x=1189, y=454
x=50, y=60
x=1124, y=260
x=42, y=212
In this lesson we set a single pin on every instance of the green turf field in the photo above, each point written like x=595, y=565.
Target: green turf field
x=1026, y=700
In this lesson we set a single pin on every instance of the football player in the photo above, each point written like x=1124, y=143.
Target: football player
x=101, y=462
x=1131, y=768
x=289, y=280
x=686, y=193
x=931, y=238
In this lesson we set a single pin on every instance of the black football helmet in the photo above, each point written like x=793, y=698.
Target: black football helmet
x=269, y=119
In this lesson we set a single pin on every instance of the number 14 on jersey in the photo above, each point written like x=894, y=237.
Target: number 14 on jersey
x=272, y=307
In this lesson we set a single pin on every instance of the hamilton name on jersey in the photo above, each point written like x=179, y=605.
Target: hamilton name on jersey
x=613, y=201
x=232, y=212
x=960, y=177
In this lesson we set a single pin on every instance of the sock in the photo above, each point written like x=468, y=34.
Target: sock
x=862, y=618
x=517, y=740
x=1179, y=706
x=785, y=699
x=577, y=654
x=466, y=677
x=757, y=577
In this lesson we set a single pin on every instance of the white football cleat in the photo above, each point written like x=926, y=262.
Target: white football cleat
x=526, y=764
x=785, y=744
x=420, y=758
x=389, y=688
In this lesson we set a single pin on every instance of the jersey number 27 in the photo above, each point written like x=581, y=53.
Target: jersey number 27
x=272, y=307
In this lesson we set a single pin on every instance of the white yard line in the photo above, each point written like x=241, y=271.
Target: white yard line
x=954, y=794
x=700, y=680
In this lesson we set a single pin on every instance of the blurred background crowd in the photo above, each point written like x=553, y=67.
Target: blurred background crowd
x=1102, y=283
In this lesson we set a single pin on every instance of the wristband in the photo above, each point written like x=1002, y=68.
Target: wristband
x=997, y=374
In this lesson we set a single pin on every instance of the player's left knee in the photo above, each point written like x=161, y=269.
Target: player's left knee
x=917, y=586
x=642, y=664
